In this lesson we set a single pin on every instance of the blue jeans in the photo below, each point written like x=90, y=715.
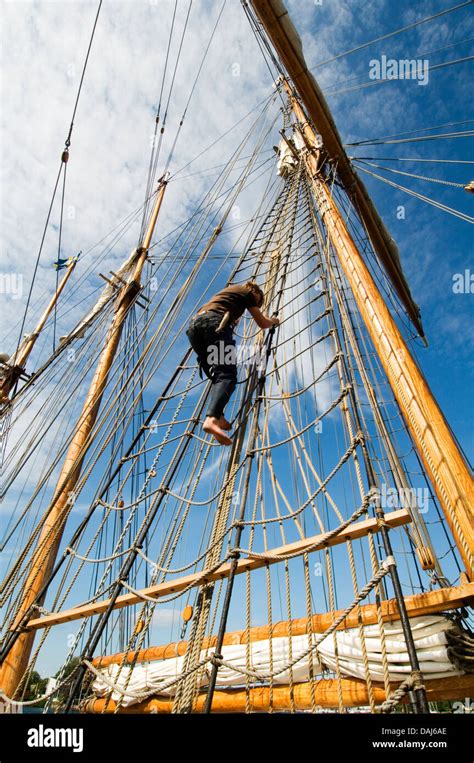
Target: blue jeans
x=206, y=342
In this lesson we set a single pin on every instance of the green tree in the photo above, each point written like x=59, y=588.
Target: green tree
x=63, y=694
x=35, y=686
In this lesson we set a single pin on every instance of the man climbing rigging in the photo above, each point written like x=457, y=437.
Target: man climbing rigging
x=210, y=334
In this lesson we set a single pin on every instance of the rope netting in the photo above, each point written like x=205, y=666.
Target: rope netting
x=167, y=503
x=249, y=536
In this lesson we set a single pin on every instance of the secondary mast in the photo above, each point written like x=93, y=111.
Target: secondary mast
x=14, y=368
x=49, y=540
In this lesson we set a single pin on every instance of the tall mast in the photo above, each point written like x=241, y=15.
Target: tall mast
x=442, y=458
x=276, y=21
x=46, y=550
x=12, y=370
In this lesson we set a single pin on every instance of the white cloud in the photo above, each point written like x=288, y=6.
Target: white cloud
x=164, y=617
x=115, y=118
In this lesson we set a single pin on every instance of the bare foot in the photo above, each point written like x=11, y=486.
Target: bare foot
x=211, y=426
x=224, y=424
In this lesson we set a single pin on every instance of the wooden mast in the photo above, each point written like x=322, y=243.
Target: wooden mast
x=284, y=38
x=46, y=550
x=17, y=362
x=442, y=458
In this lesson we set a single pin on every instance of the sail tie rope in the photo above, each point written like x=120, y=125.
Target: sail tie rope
x=140, y=696
x=363, y=593
x=412, y=683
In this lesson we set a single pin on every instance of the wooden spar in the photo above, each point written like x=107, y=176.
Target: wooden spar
x=442, y=458
x=18, y=360
x=281, y=698
x=420, y=604
x=316, y=542
x=284, y=37
x=445, y=463
x=46, y=550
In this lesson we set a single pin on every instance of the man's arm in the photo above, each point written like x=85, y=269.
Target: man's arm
x=263, y=321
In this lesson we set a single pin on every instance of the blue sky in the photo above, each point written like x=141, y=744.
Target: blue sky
x=111, y=142
x=433, y=245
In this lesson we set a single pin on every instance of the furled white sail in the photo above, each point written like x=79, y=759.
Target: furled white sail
x=264, y=657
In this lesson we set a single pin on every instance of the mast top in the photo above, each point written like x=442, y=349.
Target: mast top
x=287, y=43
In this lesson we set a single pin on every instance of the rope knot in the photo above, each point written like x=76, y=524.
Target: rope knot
x=373, y=495
x=389, y=562
x=417, y=679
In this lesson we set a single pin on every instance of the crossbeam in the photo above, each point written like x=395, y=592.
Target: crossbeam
x=315, y=543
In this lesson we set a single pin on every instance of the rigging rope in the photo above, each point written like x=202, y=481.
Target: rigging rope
x=155, y=150
x=206, y=51
x=411, y=174
x=63, y=163
x=411, y=159
x=411, y=132
x=441, y=136
x=279, y=252
x=422, y=197
x=429, y=69
x=392, y=34
x=63, y=192
x=417, y=55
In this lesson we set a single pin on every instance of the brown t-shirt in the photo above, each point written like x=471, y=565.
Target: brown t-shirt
x=235, y=299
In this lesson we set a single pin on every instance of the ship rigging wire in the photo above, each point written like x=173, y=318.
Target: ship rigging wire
x=392, y=34
x=62, y=167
